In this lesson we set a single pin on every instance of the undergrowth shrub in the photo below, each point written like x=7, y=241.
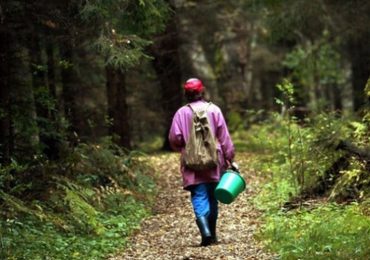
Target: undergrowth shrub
x=291, y=152
x=327, y=232
x=315, y=230
x=30, y=238
x=293, y=157
x=83, y=206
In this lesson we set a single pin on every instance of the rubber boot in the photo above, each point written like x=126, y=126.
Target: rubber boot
x=205, y=232
x=212, y=227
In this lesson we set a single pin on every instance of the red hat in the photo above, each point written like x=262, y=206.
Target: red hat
x=194, y=85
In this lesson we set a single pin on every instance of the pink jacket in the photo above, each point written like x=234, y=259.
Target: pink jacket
x=179, y=135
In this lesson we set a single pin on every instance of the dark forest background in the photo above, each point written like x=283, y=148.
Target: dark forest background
x=78, y=70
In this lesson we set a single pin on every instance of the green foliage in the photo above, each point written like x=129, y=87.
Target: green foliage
x=89, y=203
x=319, y=58
x=316, y=65
x=292, y=156
x=234, y=121
x=367, y=88
x=299, y=156
x=290, y=20
x=144, y=17
x=258, y=138
x=125, y=52
x=354, y=182
x=327, y=232
x=31, y=238
x=287, y=89
x=274, y=194
x=7, y=173
x=288, y=151
x=124, y=28
x=366, y=118
x=82, y=212
x=155, y=143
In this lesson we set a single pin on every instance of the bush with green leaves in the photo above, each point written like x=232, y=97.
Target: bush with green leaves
x=315, y=230
x=291, y=152
x=292, y=157
x=31, y=238
x=86, y=204
x=302, y=151
x=326, y=232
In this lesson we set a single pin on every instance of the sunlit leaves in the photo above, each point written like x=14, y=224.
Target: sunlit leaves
x=287, y=90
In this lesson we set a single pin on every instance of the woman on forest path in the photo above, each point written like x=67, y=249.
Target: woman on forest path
x=202, y=184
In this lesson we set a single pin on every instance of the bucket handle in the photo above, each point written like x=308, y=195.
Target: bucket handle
x=235, y=167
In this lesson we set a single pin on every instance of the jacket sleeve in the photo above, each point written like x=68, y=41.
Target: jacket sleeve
x=175, y=136
x=223, y=137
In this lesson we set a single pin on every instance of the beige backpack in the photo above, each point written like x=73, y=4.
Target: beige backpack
x=200, y=150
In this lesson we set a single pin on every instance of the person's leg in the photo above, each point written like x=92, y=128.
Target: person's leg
x=201, y=206
x=213, y=214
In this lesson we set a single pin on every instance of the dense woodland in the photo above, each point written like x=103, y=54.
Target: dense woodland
x=86, y=84
x=75, y=71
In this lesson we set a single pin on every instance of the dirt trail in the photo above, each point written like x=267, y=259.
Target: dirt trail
x=171, y=233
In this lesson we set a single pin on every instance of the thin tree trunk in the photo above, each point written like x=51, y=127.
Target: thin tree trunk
x=53, y=140
x=45, y=115
x=70, y=82
x=360, y=58
x=38, y=82
x=117, y=107
x=51, y=71
x=246, y=62
x=6, y=133
x=337, y=98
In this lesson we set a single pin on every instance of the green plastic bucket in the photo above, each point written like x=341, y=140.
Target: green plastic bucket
x=229, y=187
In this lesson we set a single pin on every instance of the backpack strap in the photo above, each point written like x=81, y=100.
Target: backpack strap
x=209, y=104
x=195, y=112
x=191, y=107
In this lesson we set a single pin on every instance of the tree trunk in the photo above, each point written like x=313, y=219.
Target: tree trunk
x=268, y=92
x=51, y=72
x=337, y=98
x=360, y=58
x=70, y=82
x=167, y=66
x=43, y=93
x=6, y=132
x=53, y=140
x=38, y=78
x=117, y=107
x=38, y=87
x=246, y=47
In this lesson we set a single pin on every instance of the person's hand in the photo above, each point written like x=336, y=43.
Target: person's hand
x=234, y=166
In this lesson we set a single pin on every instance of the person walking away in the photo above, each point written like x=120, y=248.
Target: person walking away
x=196, y=129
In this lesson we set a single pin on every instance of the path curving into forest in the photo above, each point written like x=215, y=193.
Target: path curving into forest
x=171, y=233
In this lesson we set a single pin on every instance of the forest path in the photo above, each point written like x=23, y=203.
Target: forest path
x=171, y=233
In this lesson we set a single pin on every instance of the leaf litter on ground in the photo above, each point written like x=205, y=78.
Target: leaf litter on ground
x=171, y=232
